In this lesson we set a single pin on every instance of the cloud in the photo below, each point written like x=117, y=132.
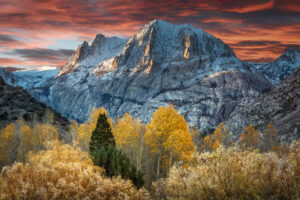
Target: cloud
x=28, y=28
x=250, y=48
x=8, y=41
x=6, y=38
x=36, y=58
x=252, y=7
x=10, y=61
x=43, y=54
x=14, y=69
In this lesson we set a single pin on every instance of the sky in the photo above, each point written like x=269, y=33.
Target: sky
x=37, y=33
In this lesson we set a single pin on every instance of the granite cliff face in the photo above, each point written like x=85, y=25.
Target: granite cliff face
x=163, y=63
x=280, y=107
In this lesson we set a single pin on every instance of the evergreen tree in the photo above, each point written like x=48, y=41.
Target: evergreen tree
x=102, y=135
x=105, y=154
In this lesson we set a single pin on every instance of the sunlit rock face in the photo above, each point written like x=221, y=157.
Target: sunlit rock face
x=163, y=63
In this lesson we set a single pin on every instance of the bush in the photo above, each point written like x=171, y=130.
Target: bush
x=62, y=172
x=234, y=174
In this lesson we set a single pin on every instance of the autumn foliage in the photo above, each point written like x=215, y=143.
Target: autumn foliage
x=62, y=172
x=106, y=158
x=234, y=174
x=220, y=137
x=17, y=139
x=168, y=137
x=250, y=137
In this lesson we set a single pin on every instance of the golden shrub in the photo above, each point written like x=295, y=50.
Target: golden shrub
x=234, y=174
x=62, y=172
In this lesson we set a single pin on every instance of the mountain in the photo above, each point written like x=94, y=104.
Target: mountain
x=28, y=79
x=282, y=67
x=91, y=55
x=280, y=107
x=8, y=77
x=34, y=78
x=163, y=63
x=15, y=102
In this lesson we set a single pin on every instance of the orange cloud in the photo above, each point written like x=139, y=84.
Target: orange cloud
x=36, y=24
x=252, y=8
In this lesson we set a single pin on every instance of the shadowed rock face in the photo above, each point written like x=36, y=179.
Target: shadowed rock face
x=163, y=63
x=280, y=107
x=15, y=102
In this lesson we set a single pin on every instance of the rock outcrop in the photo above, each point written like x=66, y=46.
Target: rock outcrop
x=280, y=107
x=163, y=63
x=282, y=67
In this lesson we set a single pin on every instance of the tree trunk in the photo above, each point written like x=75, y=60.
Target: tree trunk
x=158, y=167
x=140, y=156
x=170, y=160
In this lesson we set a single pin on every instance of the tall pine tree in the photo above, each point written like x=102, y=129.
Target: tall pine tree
x=105, y=154
x=102, y=135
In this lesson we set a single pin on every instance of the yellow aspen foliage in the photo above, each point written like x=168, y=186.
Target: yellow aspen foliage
x=166, y=134
x=222, y=134
x=26, y=142
x=250, y=137
x=8, y=145
x=41, y=134
x=129, y=136
x=220, y=137
x=207, y=144
x=126, y=131
x=16, y=140
x=73, y=130
x=179, y=144
x=216, y=145
x=63, y=172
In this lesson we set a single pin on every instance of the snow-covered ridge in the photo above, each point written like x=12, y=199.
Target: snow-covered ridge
x=282, y=67
x=91, y=55
x=34, y=78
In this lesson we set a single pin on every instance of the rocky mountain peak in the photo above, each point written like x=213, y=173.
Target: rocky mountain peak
x=282, y=67
x=160, y=44
x=97, y=43
x=87, y=55
x=82, y=52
